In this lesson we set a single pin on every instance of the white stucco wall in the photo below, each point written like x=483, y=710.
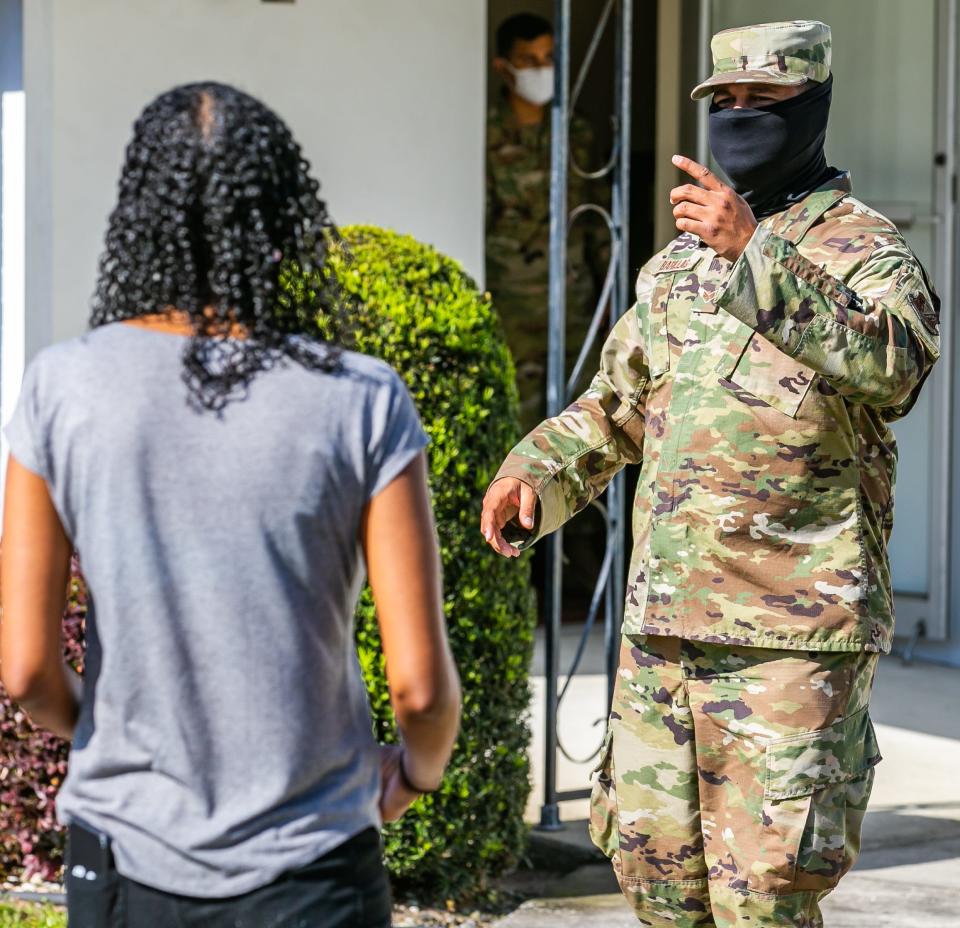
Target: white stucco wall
x=387, y=98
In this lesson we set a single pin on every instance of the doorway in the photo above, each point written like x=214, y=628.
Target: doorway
x=596, y=104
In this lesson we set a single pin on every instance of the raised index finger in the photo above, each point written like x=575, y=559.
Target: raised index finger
x=698, y=172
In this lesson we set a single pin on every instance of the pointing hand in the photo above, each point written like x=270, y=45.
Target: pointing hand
x=714, y=212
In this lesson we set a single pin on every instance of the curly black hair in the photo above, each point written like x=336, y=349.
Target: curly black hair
x=215, y=198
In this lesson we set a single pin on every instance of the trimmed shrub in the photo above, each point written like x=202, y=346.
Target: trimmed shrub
x=419, y=311
x=33, y=764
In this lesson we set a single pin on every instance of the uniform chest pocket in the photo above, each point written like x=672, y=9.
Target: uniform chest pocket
x=763, y=375
x=677, y=287
x=655, y=332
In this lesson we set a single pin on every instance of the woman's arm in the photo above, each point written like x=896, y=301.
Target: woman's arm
x=403, y=566
x=34, y=571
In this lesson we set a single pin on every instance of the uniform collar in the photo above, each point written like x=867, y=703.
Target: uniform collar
x=505, y=117
x=793, y=222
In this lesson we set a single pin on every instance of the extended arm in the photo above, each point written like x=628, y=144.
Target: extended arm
x=567, y=461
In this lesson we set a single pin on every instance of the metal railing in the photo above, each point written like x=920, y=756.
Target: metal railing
x=613, y=302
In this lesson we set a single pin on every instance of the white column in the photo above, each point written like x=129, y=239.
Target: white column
x=12, y=305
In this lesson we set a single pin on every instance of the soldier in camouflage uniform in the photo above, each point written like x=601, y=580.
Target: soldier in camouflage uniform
x=753, y=383
x=518, y=211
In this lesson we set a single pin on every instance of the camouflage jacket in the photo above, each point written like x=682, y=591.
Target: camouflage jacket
x=518, y=209
x=756, y=398
x=518, y=245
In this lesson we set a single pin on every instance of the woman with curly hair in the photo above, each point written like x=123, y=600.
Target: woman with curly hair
x=224, y=478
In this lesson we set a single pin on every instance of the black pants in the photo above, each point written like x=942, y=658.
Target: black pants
x=346, y=888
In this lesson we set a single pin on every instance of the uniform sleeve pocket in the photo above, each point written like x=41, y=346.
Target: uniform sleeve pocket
x=801, y=764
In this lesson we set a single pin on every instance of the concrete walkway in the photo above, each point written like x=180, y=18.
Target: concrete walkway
x=908, y=875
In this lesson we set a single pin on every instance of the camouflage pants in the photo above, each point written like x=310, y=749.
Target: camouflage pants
x=733, y=781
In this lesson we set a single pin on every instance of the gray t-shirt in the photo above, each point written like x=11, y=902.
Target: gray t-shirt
x=225, y=735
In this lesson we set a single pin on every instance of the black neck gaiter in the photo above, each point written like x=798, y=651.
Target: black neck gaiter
x=773, y=155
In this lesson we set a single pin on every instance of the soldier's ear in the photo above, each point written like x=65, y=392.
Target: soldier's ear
x=504, y=70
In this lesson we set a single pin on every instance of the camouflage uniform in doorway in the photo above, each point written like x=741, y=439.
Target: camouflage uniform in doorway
x=756, y=399
x=518, y=247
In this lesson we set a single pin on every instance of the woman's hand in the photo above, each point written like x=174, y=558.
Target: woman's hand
x=395, y=797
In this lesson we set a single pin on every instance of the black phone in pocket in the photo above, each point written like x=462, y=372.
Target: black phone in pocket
x=91, y=880
x=89, y=857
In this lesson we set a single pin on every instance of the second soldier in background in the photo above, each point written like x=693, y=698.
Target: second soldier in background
x=518, y=210
x=518, y=248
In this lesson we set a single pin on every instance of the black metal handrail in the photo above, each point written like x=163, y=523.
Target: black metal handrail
x=612, y=303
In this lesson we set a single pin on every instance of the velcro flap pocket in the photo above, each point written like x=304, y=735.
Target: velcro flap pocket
x=800, y=765
x=786, y=254
x=771, y=376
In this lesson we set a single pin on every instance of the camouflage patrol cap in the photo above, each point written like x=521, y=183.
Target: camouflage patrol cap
x=769, y=53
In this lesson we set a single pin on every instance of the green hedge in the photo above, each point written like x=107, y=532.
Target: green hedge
x=418, y=310
x=25, y=915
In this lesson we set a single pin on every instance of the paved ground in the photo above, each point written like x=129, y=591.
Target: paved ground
x=909, y=873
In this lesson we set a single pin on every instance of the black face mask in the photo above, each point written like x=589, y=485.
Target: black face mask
x=774, y=155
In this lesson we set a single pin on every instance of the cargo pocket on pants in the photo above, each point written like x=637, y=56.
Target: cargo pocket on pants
x=604, y=826
x=816, y=789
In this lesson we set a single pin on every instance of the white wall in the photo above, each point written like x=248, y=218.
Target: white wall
x=387, y=98
x=12, y=222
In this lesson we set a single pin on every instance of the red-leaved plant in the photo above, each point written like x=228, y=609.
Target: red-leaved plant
x=33, y=764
